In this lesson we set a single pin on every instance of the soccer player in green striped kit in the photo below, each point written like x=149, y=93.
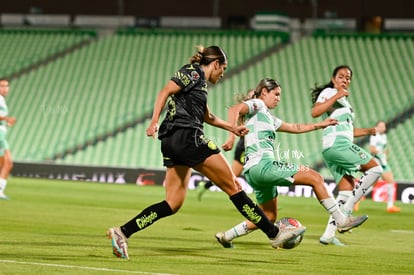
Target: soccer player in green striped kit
x=379, y=150
x=6, y=163
x=342, y=156
x=264, y=172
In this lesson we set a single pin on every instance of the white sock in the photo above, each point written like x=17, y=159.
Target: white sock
x=332, y=207
x=343, y=197
x=390, y=192
x=330, y=229
x=367, y=180
x=369, y=190
x=237, y=231
x=3, y=184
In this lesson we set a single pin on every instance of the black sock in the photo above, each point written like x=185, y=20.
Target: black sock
x=254, y=214
x=147, y=217
x=208, y=185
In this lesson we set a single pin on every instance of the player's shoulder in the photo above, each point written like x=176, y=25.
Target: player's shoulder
x=326, y=94
x=255, y=101
x=328, y=91
x=254, y=105
x=190, y=67
x=187, y=74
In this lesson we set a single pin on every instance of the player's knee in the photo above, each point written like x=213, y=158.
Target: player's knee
x=316, y=179
x=376, y=169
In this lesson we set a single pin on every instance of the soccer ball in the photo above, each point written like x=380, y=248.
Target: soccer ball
x=290, y=222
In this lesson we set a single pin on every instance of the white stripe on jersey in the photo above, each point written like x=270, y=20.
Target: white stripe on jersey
x=262, y=126
x=3, y=112
x=344, y=115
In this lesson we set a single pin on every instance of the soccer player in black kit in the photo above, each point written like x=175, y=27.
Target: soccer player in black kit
x=184, y=147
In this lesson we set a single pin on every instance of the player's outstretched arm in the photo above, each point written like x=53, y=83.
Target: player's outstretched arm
x=359, y=132
x=297, y=128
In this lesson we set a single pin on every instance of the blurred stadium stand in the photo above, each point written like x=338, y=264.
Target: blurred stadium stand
x=83, y=84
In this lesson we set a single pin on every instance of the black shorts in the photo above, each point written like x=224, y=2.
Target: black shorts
x=186, y=146
x=239, y=151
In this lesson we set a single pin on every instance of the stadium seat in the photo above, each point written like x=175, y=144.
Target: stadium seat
x=112, y=84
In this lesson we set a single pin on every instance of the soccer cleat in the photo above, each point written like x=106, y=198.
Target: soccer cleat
x=286, y=234
x=119, y=242
x=222, y=240
x=328, y=241
x=393, y=209
x=3, y=196
x=351, y=222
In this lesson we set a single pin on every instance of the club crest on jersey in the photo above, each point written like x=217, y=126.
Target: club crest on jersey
x=255, y=107
x=362, y=155
x=194, y=76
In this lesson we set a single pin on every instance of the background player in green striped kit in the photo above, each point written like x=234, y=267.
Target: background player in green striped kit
x=264, y=172
x=378, y=148
x=341, y=155
x=6, y=162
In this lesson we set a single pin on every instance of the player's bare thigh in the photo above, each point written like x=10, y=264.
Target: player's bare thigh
x=218, y=170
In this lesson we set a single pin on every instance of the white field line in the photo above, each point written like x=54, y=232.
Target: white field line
x=84, y=267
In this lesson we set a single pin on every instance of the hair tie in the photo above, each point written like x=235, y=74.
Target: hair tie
x=200, y=53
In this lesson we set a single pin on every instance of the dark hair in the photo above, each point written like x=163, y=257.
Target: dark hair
x=267, y=83
x=205, y=56
x=318, y=89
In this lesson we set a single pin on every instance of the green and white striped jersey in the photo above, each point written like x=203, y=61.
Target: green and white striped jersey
x=342, y=111
x=262, y=125
x=4, y=111
x=379, y=141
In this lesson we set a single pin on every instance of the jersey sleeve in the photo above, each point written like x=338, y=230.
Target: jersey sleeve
x=277, y=122
x=254, y=105
x=372, y=141
x=326, y=94
x=3, y=107
x=187, y=77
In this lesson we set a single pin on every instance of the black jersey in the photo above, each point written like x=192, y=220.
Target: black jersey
x=186, y=108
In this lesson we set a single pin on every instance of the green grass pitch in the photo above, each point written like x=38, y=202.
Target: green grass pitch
x=58, y=227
